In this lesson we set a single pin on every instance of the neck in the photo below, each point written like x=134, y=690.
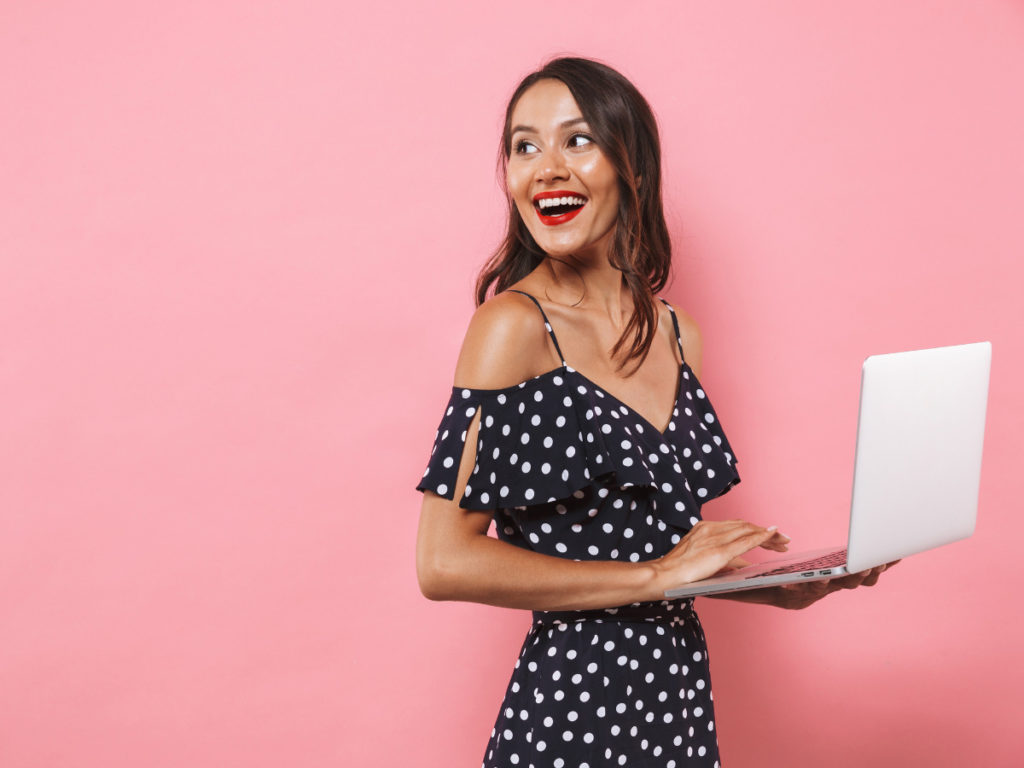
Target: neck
x=591, y=282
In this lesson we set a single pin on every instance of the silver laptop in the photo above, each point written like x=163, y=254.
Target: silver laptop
x=916, y=471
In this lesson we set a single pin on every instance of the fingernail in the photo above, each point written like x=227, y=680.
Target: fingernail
x=772, y=528
x=784, y=536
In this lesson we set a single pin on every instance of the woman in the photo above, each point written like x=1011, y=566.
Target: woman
x=577, y=422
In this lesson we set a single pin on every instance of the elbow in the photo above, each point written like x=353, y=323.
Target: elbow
x=432, y=591
x=447, y=563
x=431, y=586
x=436, y=578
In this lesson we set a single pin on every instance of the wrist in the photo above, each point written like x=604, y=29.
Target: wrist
x=652, y=580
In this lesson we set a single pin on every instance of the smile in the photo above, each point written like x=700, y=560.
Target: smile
x=558, y=206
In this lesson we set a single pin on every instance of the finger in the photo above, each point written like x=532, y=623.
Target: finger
x=738, y=562
x=779, y=542
x=803, y=594
x=875, y=574
x=851, y=581
x=724, y=571
x=742, y=542
x=760, y=537
x=733, y=565
x=871, y=579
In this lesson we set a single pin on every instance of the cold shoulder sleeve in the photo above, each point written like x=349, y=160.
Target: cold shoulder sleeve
x=508, y=470
x=550, y=437
x=531, y=446
x=449, y=443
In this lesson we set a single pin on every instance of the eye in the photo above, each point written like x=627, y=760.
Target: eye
x=580, y=140
x=523, y=147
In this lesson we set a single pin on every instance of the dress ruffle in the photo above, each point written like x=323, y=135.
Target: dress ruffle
x=554, y=435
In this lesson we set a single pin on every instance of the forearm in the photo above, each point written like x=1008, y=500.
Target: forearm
x=483, y=569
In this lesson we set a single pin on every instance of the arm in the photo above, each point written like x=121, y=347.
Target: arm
x=456, y=560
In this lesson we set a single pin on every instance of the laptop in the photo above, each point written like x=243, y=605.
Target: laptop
x=916, y=470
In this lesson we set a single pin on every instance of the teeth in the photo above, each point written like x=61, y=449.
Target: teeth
x=550, y=202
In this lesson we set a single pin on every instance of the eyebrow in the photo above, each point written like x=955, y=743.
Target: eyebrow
x=531, y=129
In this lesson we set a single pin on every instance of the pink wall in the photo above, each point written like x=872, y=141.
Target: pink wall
x=237, y=244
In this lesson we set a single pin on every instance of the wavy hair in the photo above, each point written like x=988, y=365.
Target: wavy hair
x=624, y=128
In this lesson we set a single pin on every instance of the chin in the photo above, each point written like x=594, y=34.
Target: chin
x=559, y=251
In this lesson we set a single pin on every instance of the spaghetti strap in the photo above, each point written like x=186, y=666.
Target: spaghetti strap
x=675, y=324
x=547, y=323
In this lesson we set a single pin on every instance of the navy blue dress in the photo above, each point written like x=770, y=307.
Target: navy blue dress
x=571, y=471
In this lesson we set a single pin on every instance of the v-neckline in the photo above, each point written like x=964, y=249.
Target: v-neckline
x=565, y=366
x=647, y=422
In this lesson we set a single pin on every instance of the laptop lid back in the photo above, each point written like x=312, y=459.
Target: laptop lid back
x=918, y=461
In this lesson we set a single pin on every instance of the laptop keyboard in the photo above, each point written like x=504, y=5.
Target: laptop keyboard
x=825, y=561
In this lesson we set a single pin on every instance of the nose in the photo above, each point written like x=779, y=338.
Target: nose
x=552, y=167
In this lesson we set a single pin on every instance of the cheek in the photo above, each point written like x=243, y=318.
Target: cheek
x=591, y=168
x=528, y=217
x=517, y=180
x=519, y=193
x=601, y=179
x=610, y=207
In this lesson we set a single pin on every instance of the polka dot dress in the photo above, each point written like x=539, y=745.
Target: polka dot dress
x=571, y=471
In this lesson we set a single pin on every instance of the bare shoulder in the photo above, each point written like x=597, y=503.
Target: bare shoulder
x=506, y=343
x=689, y=331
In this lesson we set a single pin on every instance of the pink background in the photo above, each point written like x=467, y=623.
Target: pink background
x=238, y=243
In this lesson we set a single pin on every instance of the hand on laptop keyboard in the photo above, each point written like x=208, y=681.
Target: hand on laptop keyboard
x=710, y=546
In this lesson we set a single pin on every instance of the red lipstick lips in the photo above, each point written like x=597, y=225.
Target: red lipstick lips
x=563, y=205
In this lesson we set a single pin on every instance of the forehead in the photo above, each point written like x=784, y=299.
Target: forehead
x=545, y=104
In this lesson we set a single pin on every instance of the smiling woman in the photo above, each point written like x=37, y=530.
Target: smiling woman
x=581, y=121
x=556, y=173
x=578, y=424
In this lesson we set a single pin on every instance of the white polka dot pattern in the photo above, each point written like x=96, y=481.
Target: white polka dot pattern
x=571, y=471
x=602, y=690
x=558, y=433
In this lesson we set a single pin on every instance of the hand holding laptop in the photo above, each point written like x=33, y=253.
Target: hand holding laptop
x=802, y=594
x=917, y=469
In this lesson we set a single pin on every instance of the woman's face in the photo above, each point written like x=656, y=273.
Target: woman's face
x=564, y=187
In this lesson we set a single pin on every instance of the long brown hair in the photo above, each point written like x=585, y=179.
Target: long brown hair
x=623, y=126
